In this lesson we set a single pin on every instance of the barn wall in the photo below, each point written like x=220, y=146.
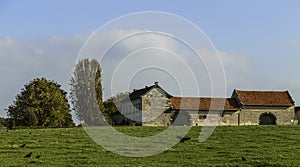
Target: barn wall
x=230, y=119
x=151, y=109
x=164, y=119
x=250, y=115
x=154, y=103
x=197, y=119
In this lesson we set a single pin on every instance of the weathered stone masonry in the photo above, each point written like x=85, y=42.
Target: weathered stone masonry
x=153, y=106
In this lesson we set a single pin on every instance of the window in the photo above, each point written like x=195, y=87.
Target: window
x=202, y=116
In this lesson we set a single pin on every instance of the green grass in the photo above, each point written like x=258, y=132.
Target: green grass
x=260, y=145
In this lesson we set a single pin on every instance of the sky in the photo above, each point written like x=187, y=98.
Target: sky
x=258, y=41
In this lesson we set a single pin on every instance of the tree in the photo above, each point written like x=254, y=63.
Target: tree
x=86, y=92
x=2, y=122
x=98, y=85
x=41, y=103
x=110, y=105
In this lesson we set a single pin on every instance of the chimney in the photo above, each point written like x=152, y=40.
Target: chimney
x=146, y=86
x=134, y=90
x=156, y=83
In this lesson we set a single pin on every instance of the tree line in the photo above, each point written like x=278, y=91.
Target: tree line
x=44, y=103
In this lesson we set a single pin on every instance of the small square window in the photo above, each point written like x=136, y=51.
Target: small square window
x=202, y=117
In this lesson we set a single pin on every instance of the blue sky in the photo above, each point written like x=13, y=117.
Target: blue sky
x=259, y=40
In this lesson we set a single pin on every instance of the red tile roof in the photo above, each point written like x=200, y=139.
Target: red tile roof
x=264, y=98
x=196, y=103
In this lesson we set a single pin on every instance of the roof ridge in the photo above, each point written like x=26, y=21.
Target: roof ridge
x=202, y=97
x=140, y=92
x=143, y=88
x=244, y=90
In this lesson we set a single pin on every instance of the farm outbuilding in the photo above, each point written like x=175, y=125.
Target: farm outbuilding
x=153, y=106
x=264, y=107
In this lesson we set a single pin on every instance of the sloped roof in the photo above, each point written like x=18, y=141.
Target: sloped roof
x=264, y=98
x=138, y=93
x=196, y=103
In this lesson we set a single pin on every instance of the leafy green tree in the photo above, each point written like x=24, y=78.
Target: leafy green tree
x=110, y=105
x=2, y=122
x=110, y=109
x=41, y=103
x=86, y=92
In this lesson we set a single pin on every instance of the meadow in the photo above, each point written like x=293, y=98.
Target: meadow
x=227, y=146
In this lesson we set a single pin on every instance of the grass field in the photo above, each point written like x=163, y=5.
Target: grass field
x=259, y=145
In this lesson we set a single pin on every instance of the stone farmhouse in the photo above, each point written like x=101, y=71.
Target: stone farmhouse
x=153, y=106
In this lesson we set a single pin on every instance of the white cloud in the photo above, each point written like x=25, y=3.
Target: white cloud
x=234, y=61
x=238, y=68
x=54, y=57
x=242, y=72
x=23, y=60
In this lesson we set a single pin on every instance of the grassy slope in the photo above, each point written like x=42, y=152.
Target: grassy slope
x=260, y=145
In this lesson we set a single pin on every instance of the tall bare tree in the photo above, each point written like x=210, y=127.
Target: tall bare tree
x=86, y=92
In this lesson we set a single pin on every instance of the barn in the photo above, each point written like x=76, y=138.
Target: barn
x=153, y=106
x=147, y=106
x=264, y=107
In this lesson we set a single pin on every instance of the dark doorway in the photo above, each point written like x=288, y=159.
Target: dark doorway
x=267, y=119
x=182, y=119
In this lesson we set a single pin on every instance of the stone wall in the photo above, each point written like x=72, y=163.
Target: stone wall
x=251, y=115
x=198, y=119
x=154, y=104
x=248, y=116
x=165, y=119
x=230, y=119
x=152, y=109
